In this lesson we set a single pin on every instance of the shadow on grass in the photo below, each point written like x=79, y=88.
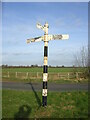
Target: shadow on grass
x=23, y=113
x=36, y=95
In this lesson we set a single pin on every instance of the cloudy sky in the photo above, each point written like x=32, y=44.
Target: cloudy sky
x=19, y=23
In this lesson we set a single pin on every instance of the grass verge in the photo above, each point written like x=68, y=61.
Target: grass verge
x=27, y=104
x=62, y=81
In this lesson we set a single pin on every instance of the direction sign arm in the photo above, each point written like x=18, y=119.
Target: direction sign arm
x=37, y=39
x=39, y=26
x=58, y=37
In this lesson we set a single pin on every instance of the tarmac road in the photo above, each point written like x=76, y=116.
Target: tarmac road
x=38, y=86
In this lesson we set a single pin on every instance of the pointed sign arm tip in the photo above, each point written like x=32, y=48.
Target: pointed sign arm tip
x=65, y=36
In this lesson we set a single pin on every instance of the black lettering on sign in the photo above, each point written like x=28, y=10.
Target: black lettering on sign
x=57, y=37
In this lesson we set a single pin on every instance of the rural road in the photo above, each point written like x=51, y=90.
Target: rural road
x=38, y=86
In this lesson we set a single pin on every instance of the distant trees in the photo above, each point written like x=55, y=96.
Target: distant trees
x=19, y=66
x=34, y=65
x=4, y=66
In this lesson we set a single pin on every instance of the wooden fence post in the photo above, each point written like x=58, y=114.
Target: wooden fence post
x=8, y=74
x=58, y=75
x=76, y=75
x=37, y=74
x=27, y=75
x=16, y=75
x=68, y=76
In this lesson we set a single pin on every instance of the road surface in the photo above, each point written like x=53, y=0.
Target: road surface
x=38, y=86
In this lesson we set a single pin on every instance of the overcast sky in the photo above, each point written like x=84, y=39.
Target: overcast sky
x=19, y=23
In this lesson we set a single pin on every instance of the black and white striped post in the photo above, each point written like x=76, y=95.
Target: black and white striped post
x=46, y=38
x=45, y=67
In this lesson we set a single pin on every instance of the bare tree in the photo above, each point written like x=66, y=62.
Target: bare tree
x=81, y=60
x=81, y=57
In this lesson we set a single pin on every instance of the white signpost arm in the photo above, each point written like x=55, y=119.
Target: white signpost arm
x=37, y=39
x=58, y=37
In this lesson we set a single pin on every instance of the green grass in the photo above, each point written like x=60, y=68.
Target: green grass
x=22, y=69
x=36, y=69
x=61, y=81
x=27, y=104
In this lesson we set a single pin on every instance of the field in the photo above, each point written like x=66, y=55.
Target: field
x=26, y=104
x=36, y=69
x=57, y=75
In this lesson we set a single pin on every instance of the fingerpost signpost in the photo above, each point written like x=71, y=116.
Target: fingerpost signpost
x=46, y=38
